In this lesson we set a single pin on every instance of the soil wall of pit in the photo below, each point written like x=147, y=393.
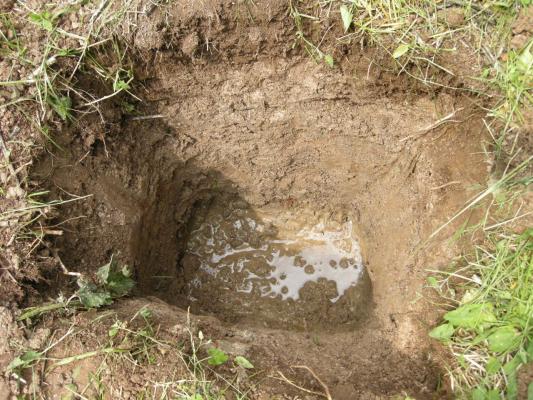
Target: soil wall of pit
x=239, y=112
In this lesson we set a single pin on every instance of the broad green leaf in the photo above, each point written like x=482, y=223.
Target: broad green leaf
x=493, y=365
x=510, y=370
x=112, y=283
x=216, y=356
x=525, y=60
x=503, y=339
x=45, y=20
x=400, y=50
x=347, y=17
x=471, y=315
x=30, y=356
x=522, y=355
x=512, y=388
x=529, y=351
x=243, y=362
x=329, y=60
x=442, y=332
x=24, y=361
x=520, y=312
x=433, y=282
x=479, y=393
x=530, y=391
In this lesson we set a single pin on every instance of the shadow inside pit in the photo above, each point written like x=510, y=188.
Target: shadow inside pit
x=171, y=220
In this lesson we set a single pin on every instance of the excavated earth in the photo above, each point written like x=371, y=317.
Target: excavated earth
x=285, y=203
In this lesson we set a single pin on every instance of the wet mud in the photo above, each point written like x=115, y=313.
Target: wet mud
x=277, y=270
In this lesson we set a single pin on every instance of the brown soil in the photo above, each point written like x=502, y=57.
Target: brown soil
x=236, y=120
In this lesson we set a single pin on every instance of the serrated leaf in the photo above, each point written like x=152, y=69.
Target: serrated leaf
x=243, y=362
x=503, y=339
x=120, y=284
x=400, y=50
x=93, y=297
x=216, y=356
x=112, y=283
x=103, y=272
x=120, y=85
x=471, y=316
x=442, y=332
x=116, y=280
x=347, y=17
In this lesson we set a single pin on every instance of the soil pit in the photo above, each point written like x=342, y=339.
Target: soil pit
x=286, y=199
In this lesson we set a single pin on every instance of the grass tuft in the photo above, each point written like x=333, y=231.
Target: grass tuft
x=490, y=330
x=138, y=343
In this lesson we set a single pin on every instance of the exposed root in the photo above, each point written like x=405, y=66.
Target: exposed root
x=326, y=393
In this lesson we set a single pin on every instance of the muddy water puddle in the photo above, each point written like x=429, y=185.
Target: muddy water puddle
x=275, y=268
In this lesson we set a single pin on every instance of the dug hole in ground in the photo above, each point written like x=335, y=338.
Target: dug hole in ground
x=284, y=203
